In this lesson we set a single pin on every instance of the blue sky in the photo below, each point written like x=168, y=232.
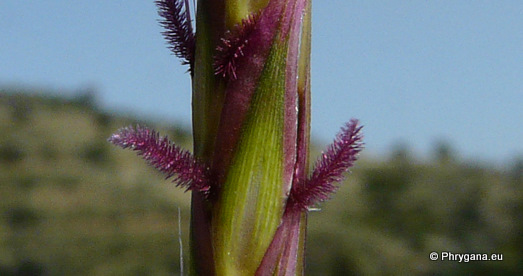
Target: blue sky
x=414, y=72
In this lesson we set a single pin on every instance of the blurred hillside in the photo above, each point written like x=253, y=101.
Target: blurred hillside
x=72, y=204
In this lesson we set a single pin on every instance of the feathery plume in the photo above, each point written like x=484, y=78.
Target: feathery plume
x=164, y=156
x=231, y=47
x=178, y=29
x=329, y=168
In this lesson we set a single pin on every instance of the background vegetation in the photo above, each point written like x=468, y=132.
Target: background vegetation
x=72, y=204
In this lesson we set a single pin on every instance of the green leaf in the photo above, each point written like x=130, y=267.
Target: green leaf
x=251, y=202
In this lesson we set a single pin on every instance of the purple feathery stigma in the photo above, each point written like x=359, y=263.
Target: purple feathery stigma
x=165, y=156
x=178, y=28
x=329, y=168
x=231, y=48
